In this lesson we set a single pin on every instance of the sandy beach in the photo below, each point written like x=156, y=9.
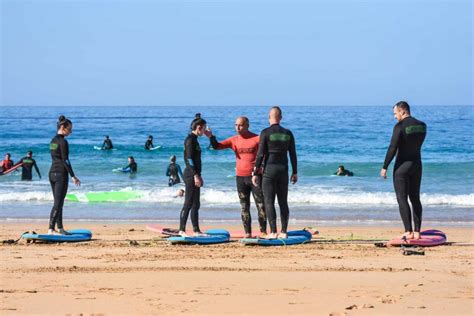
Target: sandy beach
x=129, y=270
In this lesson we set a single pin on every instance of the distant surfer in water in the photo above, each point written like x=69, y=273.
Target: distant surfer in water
x=58, y=174
x=7, y=163
x=245, y=147
x=407, y=138
x=132, y=167
x=341, y=171
x=28, y=163
x=192, y=177
x=173, y=172
x=107, y=145
x=149, y=143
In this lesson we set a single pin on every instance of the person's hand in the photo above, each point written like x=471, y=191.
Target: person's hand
x=208, y=132
x=383, y=173
x=76, y=181
x=198, y=181
x=294, y=178
x=255, y=180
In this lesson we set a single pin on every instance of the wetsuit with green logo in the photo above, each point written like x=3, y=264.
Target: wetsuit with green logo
x=275, y=144
x=58, y=177
x=407, y=138
x=192, y=194
x=27, y=168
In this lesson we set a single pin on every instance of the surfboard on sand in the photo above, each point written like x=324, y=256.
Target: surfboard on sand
x=429, y=238
x=212, y=236
x=295, y=237
x=167, y=231
x=76, y=235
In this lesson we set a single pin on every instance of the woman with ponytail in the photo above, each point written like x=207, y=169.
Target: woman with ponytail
x=59, y=173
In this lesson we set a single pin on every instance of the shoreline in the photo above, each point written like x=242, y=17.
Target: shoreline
x=129, y=270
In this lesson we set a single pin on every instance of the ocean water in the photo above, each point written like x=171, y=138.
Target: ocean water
x=326, y=137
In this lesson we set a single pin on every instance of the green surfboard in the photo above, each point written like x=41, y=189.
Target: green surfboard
x=113, y=196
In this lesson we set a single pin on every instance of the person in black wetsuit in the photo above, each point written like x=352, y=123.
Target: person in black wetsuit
x=407, y=139
x=192, y=178
x=341, y=171
x=27, y=167
x=107, y=145
x=58, y=174
x=149, y=143
x=275, y=144
x=132, y=166
x=173, y=172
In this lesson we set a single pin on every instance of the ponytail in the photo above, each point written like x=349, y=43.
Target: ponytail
x=63, y=121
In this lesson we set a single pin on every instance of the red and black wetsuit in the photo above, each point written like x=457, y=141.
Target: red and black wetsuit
x=245, y=148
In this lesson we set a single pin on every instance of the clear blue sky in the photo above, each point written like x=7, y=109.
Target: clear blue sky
x=242, y=52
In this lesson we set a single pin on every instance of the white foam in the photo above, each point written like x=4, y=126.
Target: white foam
x=300, y=196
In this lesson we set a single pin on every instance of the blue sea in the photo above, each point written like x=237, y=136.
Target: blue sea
x=355, y=136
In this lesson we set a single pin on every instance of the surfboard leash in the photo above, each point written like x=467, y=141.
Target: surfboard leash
x=14, y=241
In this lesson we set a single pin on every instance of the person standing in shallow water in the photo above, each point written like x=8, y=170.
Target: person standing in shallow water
x=407, y=138
x=173, y=172
x=192, y=178
x=58, y=174
x=28, y=163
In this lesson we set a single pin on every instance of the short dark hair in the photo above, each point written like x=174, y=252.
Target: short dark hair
x=403, y=105
x=277, y=108
x=173, y=158
x=198, y=122
x=341, y=167
x=131, y=157
x=8, y=154
x=29, y=152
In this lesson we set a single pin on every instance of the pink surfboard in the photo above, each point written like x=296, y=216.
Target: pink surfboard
x=429, y=238
x=11, y=169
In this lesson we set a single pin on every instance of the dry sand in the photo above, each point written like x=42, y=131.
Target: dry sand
x=129, y=270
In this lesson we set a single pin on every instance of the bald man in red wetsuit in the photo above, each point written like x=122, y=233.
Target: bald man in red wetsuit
x=245, y=147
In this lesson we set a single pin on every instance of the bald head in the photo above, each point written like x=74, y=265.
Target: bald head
x=242, y=124
x=274, y=116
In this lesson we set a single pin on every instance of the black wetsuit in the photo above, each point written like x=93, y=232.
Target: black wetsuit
x=107, y=144
x=27, y=168
x=344, y=173
x=132, y=167
x=149, y=144
x=275, y=143
x=407, y=139
x=173, y=172
x=58, y=177
x=192, y=158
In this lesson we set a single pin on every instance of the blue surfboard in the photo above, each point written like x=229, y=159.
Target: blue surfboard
x=76, y=235
x=214, y=236
x=295, y=237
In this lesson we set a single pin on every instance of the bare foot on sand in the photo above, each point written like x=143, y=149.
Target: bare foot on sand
x=282, y=235
x=416, y=236
x=407, y=236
